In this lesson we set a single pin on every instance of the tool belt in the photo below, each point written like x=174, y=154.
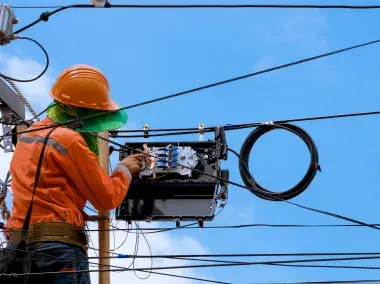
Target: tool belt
x=52, y=232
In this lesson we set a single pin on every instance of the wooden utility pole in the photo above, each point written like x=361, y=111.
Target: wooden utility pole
x=104, y=221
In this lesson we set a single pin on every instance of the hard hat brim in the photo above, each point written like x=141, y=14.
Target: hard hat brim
x=108, y=121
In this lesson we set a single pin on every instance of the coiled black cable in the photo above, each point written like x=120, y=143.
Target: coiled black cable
x=257, y=189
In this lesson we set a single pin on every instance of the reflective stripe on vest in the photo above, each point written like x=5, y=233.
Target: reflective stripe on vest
x=50, y=142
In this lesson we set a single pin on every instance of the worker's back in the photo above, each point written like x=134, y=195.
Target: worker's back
x=57, y=198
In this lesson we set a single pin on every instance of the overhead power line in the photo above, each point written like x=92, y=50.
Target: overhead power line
x=202, y=6
x=171, y=131
x=46, y=15
x=321, y=282
x=328, y=282
x=193, y=130
x=329, y=266
x=198, y=266
x=221, y=83
x=242, y=226
x=219, y=255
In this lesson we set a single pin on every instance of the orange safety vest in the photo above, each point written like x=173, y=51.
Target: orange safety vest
x=70, y=176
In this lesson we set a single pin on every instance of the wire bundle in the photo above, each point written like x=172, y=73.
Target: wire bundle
x=255, y=187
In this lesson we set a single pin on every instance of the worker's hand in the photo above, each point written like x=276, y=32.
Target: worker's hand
x=134, y=163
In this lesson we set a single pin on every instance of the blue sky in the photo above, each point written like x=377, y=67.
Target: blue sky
x=151, y=53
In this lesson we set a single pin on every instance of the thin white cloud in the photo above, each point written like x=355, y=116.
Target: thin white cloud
x=264, y=63
x=37, y=92
x=299, y=31
x=161, y=243
x=294, y=26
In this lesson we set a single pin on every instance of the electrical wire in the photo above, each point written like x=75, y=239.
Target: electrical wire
x=160, y=130
x=329, y=266
x=226, y=127
x=250, y=189
x=199, y=266
x=151, y=258
x=113, y=266
x=272, y=6
x=90, y=239
x=42, y=72
x=247, y=177
x=248, y=75
x=242, y=226
x=221, y=82
x=126, y=238
x=229, y=255
x=253, y=124
x=325, y=282
x=198, y=257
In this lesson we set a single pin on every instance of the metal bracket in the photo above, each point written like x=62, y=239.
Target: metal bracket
x=8, y=98
x=222, y=147
x=10, y=104
x=200, y=223
x=224, y=174
x=146, y=131
x=7, y=129
x=201, y=128
x=7, y=20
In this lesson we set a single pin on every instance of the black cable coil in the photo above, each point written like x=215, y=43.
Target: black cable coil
x=250, y=182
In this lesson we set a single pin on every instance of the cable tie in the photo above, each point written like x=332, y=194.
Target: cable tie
x=122, y=255
x=45, y=16
x=107, y=4
x=230, y=125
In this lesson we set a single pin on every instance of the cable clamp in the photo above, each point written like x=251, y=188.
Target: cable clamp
x=269, y=122
x=146, y=131
x=123, y=256
x=45, y=16
x=201, y=128
x=101, y=3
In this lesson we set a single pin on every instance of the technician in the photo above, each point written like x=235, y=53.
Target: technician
x=70, y=176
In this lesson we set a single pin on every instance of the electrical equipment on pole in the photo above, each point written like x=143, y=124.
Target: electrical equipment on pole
x=177, y=181
x=7, y=20
x=11, y=106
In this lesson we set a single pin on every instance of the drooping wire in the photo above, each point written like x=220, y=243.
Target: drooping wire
x=90, y=239
x=150, y=251
x=39, y=75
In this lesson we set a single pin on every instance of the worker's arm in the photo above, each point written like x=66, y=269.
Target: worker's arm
x=103, y=191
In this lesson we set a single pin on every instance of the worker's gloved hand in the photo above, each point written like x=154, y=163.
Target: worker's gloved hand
x=134, y=163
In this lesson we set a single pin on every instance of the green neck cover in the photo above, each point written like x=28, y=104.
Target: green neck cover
x=58, y=111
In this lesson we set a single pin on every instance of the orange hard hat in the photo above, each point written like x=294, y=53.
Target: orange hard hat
x=83, y=86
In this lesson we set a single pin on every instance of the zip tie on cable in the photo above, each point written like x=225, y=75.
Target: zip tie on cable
x=119, y=255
